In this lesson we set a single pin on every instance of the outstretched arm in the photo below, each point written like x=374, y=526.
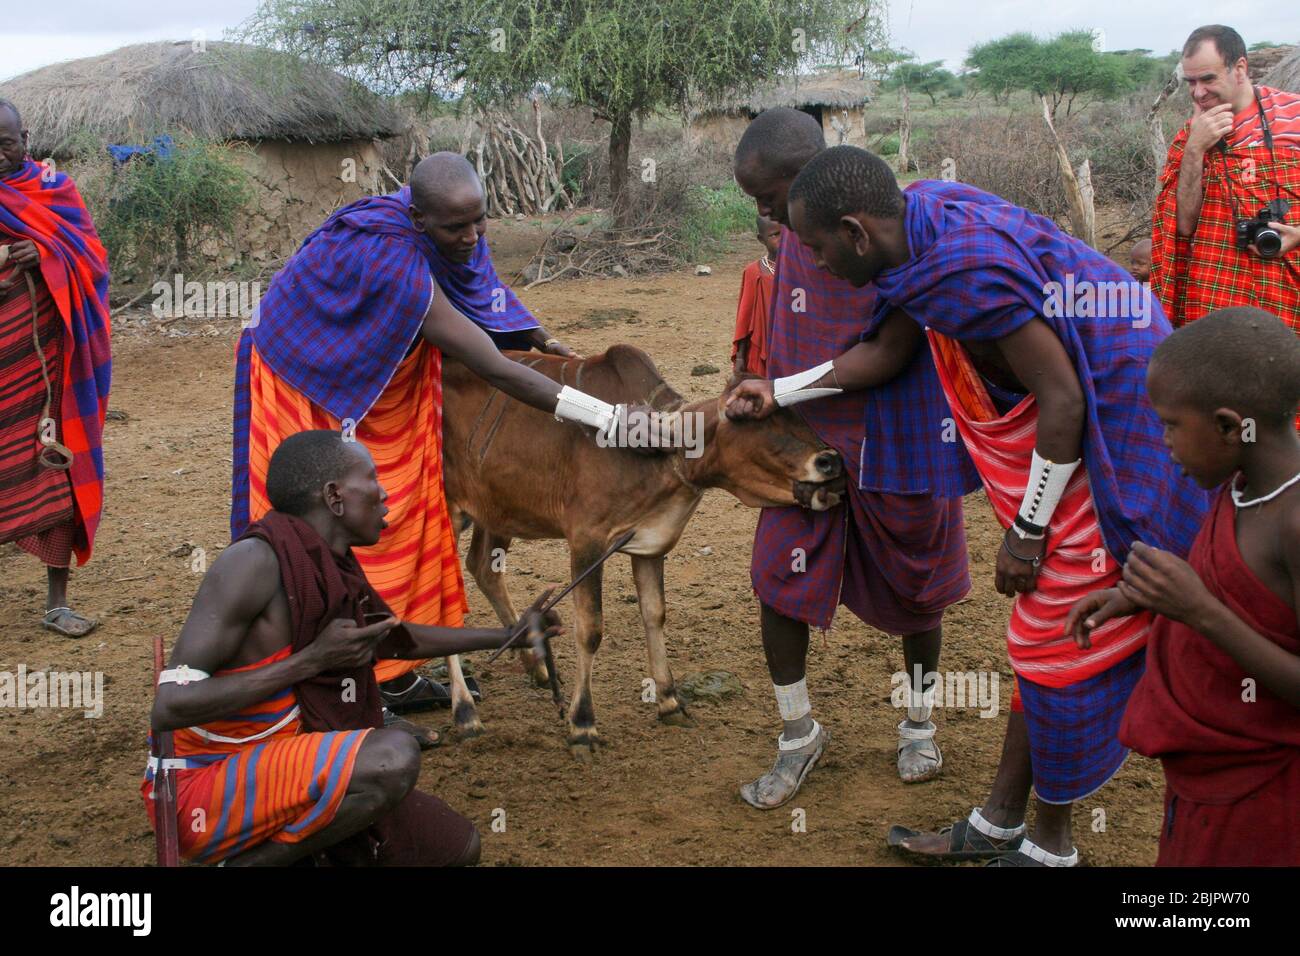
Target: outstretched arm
x=447, y=329
x=455, y=335
x=868, y=364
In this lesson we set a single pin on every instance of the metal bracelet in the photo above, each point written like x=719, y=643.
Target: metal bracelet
x=1034, y=561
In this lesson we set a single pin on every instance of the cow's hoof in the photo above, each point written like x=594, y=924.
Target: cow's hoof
x=677, y=718
x=583, y=746
x=540, y=676
x=467, y=723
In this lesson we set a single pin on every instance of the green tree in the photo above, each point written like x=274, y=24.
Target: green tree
x=624, y=59
x=1060, y=69
x=930, y=79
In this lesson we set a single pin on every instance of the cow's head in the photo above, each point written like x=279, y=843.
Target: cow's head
x=774, y=462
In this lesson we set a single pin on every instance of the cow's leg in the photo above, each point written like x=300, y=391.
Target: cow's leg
x=583, y=739
x=648, y=573
x=462, y=704
x=486, y=553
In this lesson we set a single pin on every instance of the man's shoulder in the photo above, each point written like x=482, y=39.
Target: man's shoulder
x=249, y=564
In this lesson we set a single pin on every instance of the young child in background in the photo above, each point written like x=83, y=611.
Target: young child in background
x=1219, y=702
x=1139, y=260
x=749, y=344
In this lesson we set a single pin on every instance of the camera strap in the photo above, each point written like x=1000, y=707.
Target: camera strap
x=1268, y=144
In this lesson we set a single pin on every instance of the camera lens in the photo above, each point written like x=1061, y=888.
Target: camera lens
x=1268, y=242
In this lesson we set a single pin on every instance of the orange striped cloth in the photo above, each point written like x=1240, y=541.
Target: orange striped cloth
x=255, y=777
x=414, y=567
x=1076, y=562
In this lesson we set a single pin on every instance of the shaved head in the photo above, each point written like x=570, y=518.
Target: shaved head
x=448, y=204
x=780, y=141
x=8, y=109
x=440, y=177
x=776, y=145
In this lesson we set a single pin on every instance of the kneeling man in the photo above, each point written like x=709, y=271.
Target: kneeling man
x=280, y=750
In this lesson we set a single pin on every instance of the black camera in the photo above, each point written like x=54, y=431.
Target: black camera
x=1258, y=233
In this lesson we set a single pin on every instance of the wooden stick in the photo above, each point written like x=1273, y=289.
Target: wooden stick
x=166, y=834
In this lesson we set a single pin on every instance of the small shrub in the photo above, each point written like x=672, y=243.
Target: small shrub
x=155, y=212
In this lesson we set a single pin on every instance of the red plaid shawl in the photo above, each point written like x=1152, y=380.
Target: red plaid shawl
x=47, y=209
x=1195, y=276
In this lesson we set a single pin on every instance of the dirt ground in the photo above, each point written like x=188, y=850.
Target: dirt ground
x=70, y=786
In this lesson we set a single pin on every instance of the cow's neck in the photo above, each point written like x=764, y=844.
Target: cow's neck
x=700, y=473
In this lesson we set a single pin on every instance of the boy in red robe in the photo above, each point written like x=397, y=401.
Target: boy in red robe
x=749, y=343
x=1219, y=702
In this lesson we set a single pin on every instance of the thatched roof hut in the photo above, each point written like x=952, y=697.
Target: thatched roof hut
x=835, y=98
x=1285, y=74
x=220, y=91
x=315, y=137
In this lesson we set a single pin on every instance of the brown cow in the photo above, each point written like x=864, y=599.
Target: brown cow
x=520, y=473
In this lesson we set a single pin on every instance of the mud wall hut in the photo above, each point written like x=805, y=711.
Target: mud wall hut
x=315, y=138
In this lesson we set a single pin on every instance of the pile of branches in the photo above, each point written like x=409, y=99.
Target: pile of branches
x=520, y=174
x=623, y=251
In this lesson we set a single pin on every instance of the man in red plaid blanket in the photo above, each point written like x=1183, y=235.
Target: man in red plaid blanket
x=1239, y=153
x=55, y=365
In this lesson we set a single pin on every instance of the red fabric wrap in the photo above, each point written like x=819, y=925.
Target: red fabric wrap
x=1188, y=709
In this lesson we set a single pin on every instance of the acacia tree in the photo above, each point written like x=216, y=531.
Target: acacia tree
x=1059, y=70
x=624, y=59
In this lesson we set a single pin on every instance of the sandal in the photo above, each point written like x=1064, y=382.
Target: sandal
x=964, y=843
x=1031, y=854
x=918, y=744
x=420, y=695
x=787, y=771
x=427, y=739
x=59, y=619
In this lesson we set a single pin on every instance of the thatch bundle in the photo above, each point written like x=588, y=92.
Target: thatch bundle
x=1285, y=75
x=217, y=90
x=835, y=89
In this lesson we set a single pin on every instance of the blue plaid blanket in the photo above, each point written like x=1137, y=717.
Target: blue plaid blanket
x=891, y=437
x=981, y=268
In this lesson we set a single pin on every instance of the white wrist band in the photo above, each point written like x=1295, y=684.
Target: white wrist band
x=792, y=699
x=182, y=675
x=793, y=389
x=1047, y=481
x=586, y=409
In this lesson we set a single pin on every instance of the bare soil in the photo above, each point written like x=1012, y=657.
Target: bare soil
x=70, y=786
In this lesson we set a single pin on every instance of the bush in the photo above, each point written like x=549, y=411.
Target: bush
x=1012, y=157
x=714, y=215
x=154, y=213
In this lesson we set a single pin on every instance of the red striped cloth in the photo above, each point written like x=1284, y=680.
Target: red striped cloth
x=274, y=782
x=36, y=499
x=1076, y=563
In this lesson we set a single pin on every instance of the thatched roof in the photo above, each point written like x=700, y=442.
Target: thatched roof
x=842, y=89
x=1286, y=74
x=228, y=91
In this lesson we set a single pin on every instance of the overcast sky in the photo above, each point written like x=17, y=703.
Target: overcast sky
x=933, y=29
